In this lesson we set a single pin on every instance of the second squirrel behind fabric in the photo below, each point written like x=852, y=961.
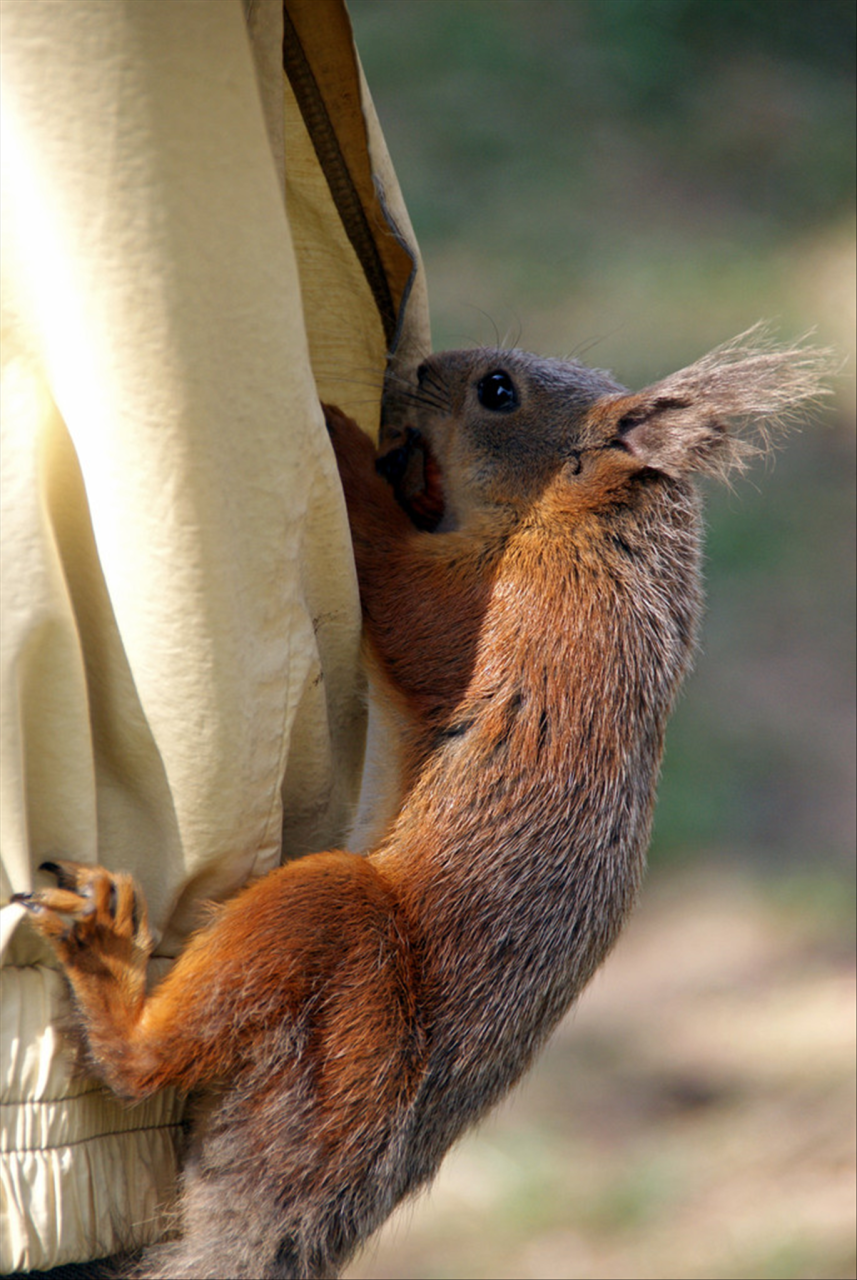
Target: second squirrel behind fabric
x=527, y=547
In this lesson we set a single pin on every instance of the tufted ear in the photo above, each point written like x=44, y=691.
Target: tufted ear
x=717, y=413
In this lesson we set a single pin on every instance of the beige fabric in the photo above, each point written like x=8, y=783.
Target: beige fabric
x=180, y=683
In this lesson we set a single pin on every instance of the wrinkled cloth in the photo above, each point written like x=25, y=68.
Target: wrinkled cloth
x=196, y=249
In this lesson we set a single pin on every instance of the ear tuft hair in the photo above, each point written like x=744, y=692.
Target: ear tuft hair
x=715, y=415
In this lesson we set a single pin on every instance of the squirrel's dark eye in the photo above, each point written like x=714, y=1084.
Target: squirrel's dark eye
x=497, y=391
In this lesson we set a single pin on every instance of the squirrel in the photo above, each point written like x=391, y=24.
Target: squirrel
x=527, y=544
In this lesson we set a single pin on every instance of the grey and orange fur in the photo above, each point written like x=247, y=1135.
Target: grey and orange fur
x=351, y=1015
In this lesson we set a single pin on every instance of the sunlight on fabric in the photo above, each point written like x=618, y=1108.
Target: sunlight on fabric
x=42, y=294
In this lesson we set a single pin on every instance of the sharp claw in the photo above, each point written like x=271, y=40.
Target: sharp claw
x=66, y=879
x=26, y=900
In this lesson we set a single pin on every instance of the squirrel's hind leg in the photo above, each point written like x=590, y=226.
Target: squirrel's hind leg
x=96, y=922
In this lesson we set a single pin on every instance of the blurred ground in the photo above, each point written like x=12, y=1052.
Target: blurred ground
x=633, y=182
x=694, y=1117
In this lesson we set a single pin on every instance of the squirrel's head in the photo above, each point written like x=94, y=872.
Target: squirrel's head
x=494, y=430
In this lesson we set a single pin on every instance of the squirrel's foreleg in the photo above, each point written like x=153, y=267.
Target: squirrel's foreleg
x=424, y=595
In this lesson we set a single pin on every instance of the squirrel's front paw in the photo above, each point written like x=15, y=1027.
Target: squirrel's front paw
x=91, y=915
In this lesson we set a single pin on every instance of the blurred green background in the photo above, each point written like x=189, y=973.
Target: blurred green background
x=636, y=181
x=633, y=182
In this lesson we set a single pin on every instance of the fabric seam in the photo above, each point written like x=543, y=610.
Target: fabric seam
x=342, y=188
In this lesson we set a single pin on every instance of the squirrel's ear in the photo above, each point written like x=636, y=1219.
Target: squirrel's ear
x=716, y=413
x=667, y=434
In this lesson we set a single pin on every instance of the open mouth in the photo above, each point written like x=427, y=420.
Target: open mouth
x=412, y=470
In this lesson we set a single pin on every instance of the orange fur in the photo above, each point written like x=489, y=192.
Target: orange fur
x=352, y=1015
